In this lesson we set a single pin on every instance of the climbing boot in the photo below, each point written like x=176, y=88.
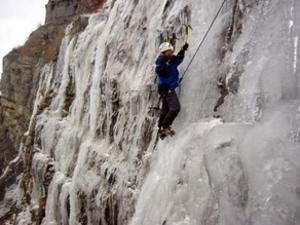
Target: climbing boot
x=164, y=132
x=169, y=131
x=162, y=135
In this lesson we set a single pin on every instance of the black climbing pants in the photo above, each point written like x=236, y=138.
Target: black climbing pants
x=170, y=106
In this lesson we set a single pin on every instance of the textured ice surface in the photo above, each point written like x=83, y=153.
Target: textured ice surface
x=109, y=169
x=9, y=199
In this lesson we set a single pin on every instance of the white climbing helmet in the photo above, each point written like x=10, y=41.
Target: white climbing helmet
x=165, y=47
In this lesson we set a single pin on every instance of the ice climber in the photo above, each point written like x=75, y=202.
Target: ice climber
x=167, y=81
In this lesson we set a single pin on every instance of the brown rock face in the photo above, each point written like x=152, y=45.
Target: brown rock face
x=63, y=10
x=60, y=10
x=19, y=83
x=87, y=6
x=21, y=73
x=22, y=68
x=13, y=125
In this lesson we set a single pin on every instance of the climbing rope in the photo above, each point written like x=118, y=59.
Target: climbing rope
x=202, y=41
x=199, y=46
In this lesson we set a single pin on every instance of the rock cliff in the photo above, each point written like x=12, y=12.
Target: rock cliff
x=79, y=135
x=22, y=68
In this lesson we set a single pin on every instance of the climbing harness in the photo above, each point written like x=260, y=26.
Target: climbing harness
x=202, y=41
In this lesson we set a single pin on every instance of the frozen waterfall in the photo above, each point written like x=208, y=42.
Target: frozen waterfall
x=95, y=139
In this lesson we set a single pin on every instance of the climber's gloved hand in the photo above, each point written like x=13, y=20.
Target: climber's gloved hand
x=185, y=47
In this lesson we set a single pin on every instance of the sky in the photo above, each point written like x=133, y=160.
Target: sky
x=18, y=18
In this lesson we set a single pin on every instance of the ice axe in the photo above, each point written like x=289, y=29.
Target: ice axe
x=186, y=27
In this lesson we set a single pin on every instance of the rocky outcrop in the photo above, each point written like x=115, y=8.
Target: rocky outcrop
x=21, y=73
x=91, y=153
x=22, y=69
x=88, y=6
x=60, y=10
x=65, y=9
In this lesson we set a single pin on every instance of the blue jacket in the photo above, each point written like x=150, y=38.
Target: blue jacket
x=166, y=70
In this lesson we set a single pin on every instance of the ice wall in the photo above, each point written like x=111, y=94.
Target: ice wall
x=243, y=169
x=92, y=122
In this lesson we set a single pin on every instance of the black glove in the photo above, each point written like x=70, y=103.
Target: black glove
x=164, y=60
x=185, y=47
x=162, y=70
x=172, y=60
